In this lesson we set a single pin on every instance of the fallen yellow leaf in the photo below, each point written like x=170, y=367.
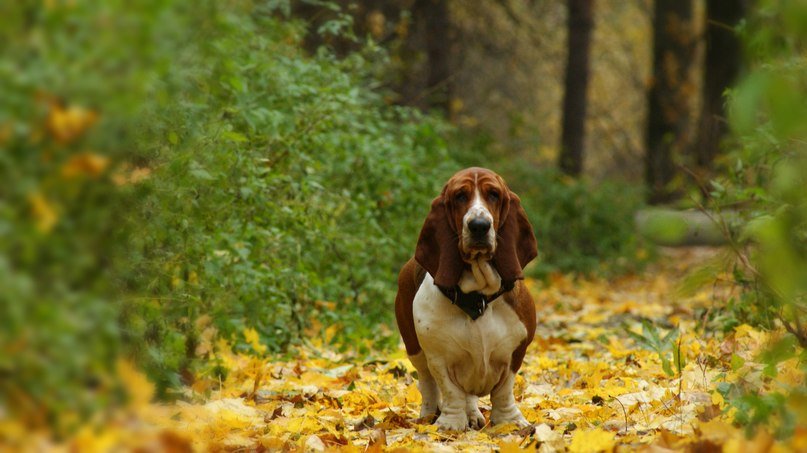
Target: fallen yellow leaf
x=253, y=339
x=139, y=389
x=594, y=440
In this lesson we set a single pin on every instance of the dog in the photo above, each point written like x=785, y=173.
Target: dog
x=463, y=311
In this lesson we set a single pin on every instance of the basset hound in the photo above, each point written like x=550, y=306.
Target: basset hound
x=463, y=311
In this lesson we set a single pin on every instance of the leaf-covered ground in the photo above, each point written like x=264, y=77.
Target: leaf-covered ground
x=597, y=377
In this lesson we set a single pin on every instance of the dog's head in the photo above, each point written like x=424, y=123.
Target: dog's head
x=475, y=217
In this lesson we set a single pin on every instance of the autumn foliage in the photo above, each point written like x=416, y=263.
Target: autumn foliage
x=201, y=220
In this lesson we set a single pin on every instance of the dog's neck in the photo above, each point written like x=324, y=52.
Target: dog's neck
x=479, y=285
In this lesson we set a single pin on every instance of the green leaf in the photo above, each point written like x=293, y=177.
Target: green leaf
x=234, y=136
x=201, y=173
x=736, y=362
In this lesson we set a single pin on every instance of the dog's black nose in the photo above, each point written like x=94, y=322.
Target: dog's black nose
x=479, y=227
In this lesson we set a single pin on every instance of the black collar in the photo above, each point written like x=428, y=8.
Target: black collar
x=473, y=303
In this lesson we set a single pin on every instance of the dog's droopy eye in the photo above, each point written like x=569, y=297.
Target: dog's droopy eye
x=493, y=195
x=461, y=197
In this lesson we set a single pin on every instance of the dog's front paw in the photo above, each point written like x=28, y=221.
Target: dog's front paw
x=475, y=418
x=456, y=422
x=510, y=416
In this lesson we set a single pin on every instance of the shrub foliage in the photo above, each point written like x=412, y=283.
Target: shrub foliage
x=166, y=160
x=766, y=179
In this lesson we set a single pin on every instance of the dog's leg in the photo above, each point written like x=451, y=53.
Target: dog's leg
x=504, y=404
x=430, y=394
x=452, y=411
x=475, y=418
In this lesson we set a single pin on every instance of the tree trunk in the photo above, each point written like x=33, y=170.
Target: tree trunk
x=668, y=116
x=426, y=54
x=438, y=48
x=721, y=68
x=580, y=23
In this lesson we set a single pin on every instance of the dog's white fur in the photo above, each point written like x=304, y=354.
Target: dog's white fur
x=463, y=359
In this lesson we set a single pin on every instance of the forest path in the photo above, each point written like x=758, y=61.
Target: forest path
x=595, y=377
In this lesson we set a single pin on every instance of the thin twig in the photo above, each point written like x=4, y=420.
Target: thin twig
x=680, y=380
x=625, y=413
x=720, y=221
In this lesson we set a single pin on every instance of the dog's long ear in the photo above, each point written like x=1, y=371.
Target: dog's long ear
x=516, y=245
x=438, y=246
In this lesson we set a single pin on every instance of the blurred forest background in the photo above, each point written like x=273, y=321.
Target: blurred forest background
x=256, y=170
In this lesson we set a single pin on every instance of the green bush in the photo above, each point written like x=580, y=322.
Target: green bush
x=768, y=164
x=167, y=160
x=74, y=77
x=582, y=227
x=296, y=186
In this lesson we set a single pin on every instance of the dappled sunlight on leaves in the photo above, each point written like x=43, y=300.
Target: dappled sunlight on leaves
x=85, y=164
x=127, y=175
x=43, y=212
x=67, y=124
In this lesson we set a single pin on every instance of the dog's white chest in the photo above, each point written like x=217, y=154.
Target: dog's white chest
x=475, y=355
